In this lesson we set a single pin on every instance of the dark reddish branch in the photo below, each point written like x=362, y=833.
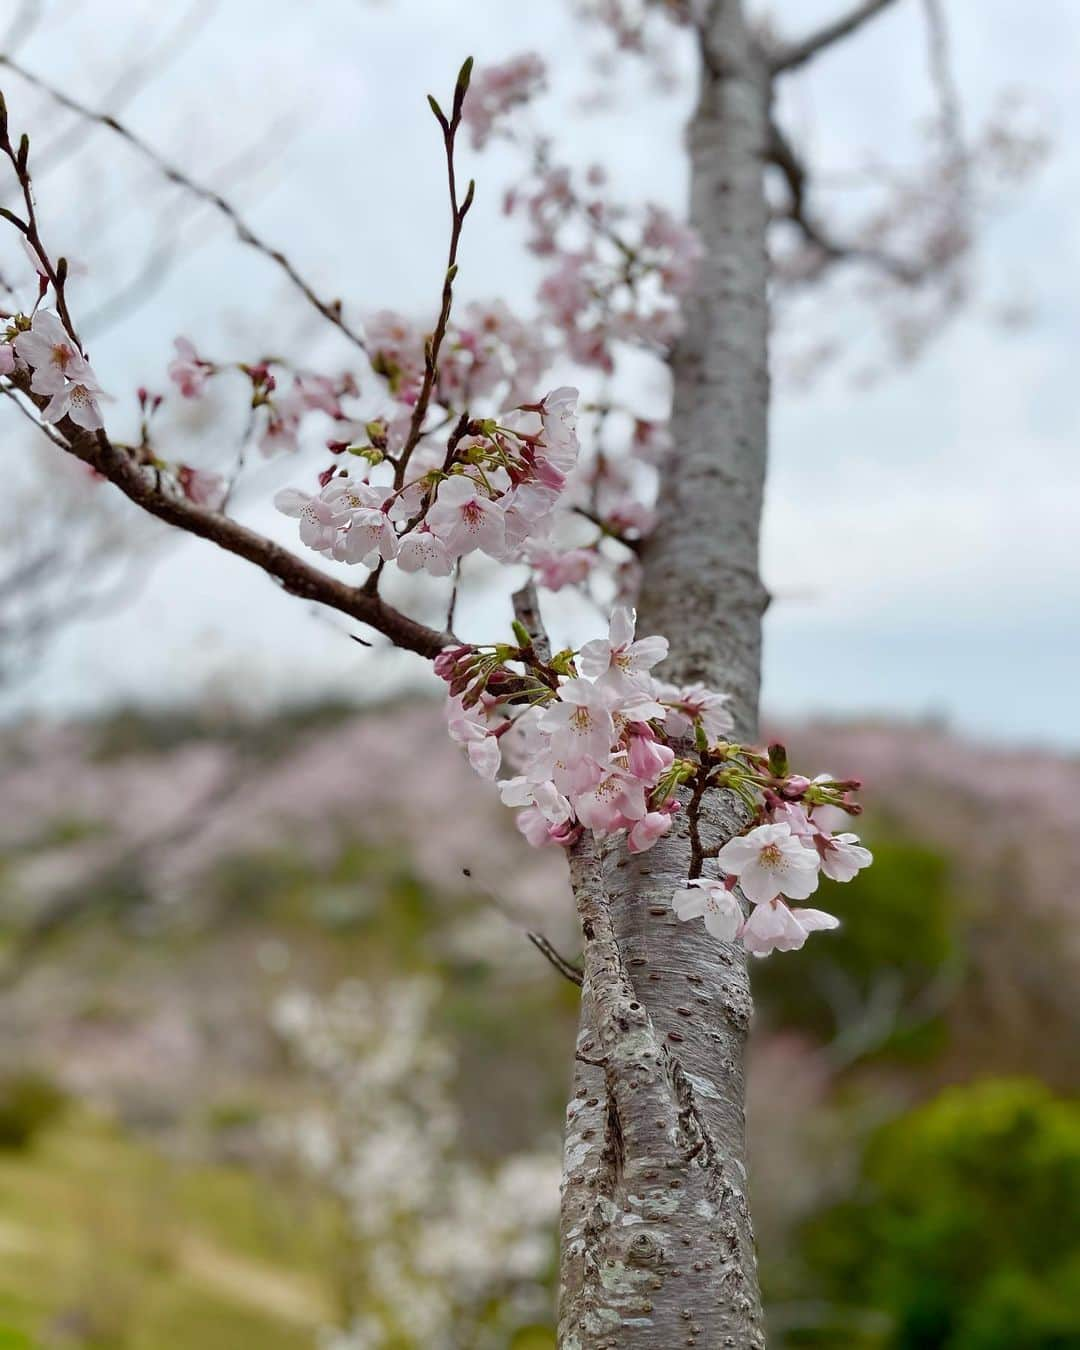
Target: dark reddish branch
x=793, y=54
x=782, y=154
x=140, y=485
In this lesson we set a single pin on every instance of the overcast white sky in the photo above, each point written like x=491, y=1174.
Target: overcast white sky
x=920, y=536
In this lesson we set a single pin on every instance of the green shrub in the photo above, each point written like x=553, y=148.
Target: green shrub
x=28, y=1103
x=963, y=1228
x=898, y=923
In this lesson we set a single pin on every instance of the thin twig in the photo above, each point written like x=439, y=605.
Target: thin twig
x=329, y=309
x=457, y=220
x=542, y=944
x=565, y=968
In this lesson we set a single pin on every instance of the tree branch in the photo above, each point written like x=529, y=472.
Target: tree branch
x=142, y=486
x=782, y=154
x=795, y=54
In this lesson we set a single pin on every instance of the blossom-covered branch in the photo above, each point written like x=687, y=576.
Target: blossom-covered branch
x=452, y=466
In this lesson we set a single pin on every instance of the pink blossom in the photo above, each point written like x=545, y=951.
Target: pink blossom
x=320, y=521
x=540, y=833
x=774, y=927
x=842, y=856
x=579, y=723
x=469, y=727
x=421, y=550
x=187, y=371
x=368, y=533
x=317, y=393
x=696, y=704
x=619, y=656
x=50, y=351
x=280, y=431
x=616, y=801
x=554, y=570
x=770, y=861
x=794, y=816
x=559, y=422
x=496, y=90
x=201, y=486
x=79, y=401
x=708, y=899
x=545, y=797
x=7, y=358
x=646, y=831
x=464, y=518
x=646, y=757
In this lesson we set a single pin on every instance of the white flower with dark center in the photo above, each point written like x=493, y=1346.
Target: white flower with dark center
x=770, y=861
x=709, y=899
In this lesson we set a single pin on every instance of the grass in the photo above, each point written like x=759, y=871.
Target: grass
x=107, y=1245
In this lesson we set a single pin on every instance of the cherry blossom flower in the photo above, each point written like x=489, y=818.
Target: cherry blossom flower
x=615, y=803
x=545, y=797
x=580, y=723
x=842, y=856
x=201, y=486
x=79, y=401
x=541, y=833
x=618, y=657
x=770, y=861
x=774, y=927
x=559, y=422
x=50, y=351
x=464, y=518
x=646, y=756
x=696, y=704
x=368, y=533
x=708, y=899
x=186, y=370
x=554, y=570
x=320, y=520
x=794, y=816
x=469, y=727
x=280, y=431
x=421, y=550
x=646, y=831
x=495, y=90
x=7, y=358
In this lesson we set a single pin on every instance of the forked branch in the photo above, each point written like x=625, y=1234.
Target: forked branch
x=794, y=54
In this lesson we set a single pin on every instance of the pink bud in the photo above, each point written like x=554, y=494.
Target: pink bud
x=446, y=662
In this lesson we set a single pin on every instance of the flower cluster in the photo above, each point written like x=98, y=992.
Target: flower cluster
x=598, y=743
x=585, y=732
x=773, y=863
x=58, y=369
x=494, y=490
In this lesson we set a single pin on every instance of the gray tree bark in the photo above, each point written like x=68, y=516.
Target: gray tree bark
x=658, y=1249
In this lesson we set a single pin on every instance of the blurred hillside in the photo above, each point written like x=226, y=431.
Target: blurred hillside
x=276, y=1041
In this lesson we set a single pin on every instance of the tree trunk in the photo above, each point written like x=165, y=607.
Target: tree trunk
x=657, y=1245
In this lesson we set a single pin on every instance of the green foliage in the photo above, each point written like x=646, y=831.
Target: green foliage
x=959, y=1230
x=28, y=1103
x=898, y=924
x=109, y=1245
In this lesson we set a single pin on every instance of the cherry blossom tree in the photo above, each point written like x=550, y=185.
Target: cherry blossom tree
x=688, y=846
